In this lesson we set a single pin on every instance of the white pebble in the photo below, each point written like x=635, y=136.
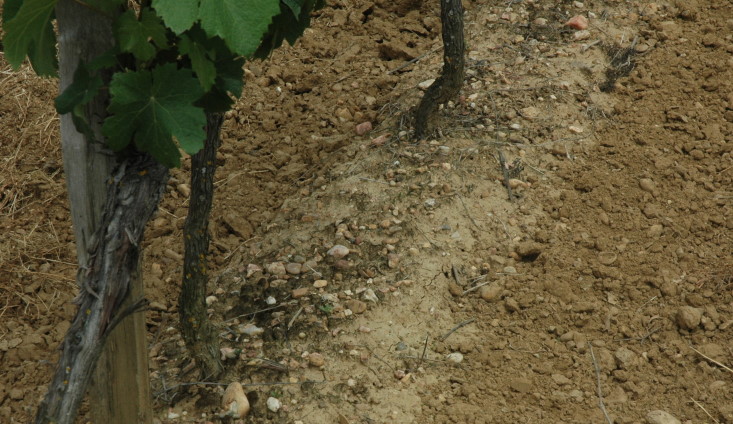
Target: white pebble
x=456, y=357
x=273, y=404
x=338, y=251
x=270, y=300
x=371, y=296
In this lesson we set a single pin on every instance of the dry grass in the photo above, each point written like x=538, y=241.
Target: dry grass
x=36, y=263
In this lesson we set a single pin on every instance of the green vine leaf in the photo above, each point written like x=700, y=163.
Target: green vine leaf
x=200, y=62
x=151, y=107
x=28, y=32
x=135, y=36
x=178, y=15
x=240, y=23
x=288, y=25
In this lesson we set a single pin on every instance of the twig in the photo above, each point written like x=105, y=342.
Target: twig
x=712, y=360
x=705, y=411
x=598, y=386
x=417, y=59
x=476, y=287
x=505, y=172
x=453, y=330
x=424, y=348
x=473, y=221
x=292, y=320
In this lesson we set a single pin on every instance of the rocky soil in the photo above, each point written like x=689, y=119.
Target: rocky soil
x=363, y=277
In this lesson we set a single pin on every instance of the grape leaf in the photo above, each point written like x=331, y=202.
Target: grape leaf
x=10, y=9
x=133, y=35
x=150, y=107
x=178, y=15
x=287, y=25
x=81, y=90
x=29, y=32
x=241, y=23
x=200, y=62
x=294, y=5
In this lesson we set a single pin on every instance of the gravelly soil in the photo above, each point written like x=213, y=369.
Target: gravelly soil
x=611, y=269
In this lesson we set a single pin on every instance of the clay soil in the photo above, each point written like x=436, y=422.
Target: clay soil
x=605, y=281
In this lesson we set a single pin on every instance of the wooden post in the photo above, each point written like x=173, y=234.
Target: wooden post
x=120, y=392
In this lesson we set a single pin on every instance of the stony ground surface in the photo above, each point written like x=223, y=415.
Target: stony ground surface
x=607, y=276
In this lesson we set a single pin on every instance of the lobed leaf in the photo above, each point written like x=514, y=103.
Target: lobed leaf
x=135, y=36
x=240, y=23
x=203, y=66
x=178, y=15
x=150, y=107
x=28, y=32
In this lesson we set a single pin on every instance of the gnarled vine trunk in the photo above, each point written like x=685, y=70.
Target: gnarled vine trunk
x=200, y=336
x=134, y=191
x=450, y=81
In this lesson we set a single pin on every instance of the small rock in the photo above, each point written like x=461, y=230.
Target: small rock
x=530, y=113
x=511, y=305
x=529, y=251
x=647, y=185
x=184, y=189
x=607, y=258
x=370, y=296
x=276, y=268
x=293, y=268
x=316, y=359
x=363, y=128
x=521, y=385
x=579, y=36
x=455, y=357
x=560, y=379
x=454, y=289
x=425, y=84
x=235, y=403
x=300, y=292
x=319, y=284
x=655, y=230
x=688, y=317
x=577, y=22
x=393, y=259
x=273, y=404
x=252, y=268
x=356, y=306
x=509, y=270
x=661, y=417
x=228, y=353
x=625, y=357
x=490, y=292
x=338, y=251
x=250, y=330
x=270, y=300
x=584, y=307
x=210, y=300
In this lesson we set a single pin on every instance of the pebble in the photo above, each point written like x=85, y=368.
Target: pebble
x=319, y=284
x=370, y=296
x=511, y=305
x=647, y=185
x=300, y=292
x=423, y=85
x=293, y=268
x=688, y=317
x=625, y=357
x=656, y=230
x=316, y=359
x=455, y=357
x=577, y=22
x=250, y=330
x=509, y=270
x=490, y=292
x=661, y=417
x=356, y=306
x=270, y=300
x=607, y=258
x=210, y=300
x=338, y=251
x=273, y=404
x=393, y=259
x=363, y=128
x=276, y=268
x=235, y=403
x=521, y=385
